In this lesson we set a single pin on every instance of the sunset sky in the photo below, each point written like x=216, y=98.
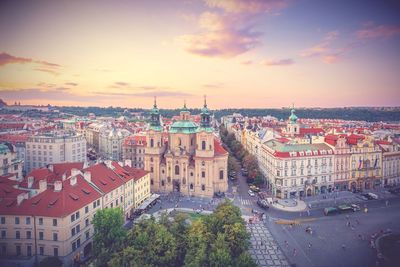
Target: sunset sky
x=240, y=53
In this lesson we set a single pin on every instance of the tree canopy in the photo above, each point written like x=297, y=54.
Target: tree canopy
x=218, y=239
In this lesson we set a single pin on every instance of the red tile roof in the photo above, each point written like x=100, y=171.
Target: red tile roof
x=60, y=168
x=104, y=178
x=54, y=204
x=128, y=173
x=135, y=140
x=218, y=149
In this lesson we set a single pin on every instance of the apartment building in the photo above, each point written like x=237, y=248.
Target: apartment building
x=298, y=170
x=133, y=149
x=50, y=212
x=10, y=165
x=390, y=162
x=111, y=142
x=56, y=222
x=55, y=147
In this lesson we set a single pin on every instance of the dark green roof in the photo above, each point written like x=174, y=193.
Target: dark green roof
x=183, y=127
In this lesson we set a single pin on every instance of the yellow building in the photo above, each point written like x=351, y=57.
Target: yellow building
x=190, y=160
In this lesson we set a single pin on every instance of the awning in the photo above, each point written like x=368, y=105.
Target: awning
x=148, y=201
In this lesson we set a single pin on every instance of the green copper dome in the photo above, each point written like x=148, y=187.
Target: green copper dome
x=293, y=117
x=183, y=127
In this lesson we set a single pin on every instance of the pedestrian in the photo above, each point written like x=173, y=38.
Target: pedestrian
x=358, y=222
x=294, y=252
x=387, y=203
x=309, y=245
x=348, y=224
x=286, y=244
x=343, y=246
x=308, y=212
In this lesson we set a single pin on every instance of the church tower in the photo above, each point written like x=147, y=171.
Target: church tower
x=154, y=147
x=204, y=136
x=293, y=128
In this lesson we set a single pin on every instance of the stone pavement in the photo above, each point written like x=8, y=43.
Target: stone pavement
x=263, y=247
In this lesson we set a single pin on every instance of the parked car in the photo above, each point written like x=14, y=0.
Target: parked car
x=251, y=193
x=219, y=194
x=330, y=211
x=262, y=203
x=367, y=196
x=373, y=196
x=245, y=172
x=254, y=188
x=262, y=195
x=347, y=208
x=355, y=207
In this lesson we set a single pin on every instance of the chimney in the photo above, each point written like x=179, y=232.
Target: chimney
x=30, y=181
x=88, y=176
x=108, y=164
x=57, y=186
x=128, y=162
x=51, y=167
x=42, y=185
x=20, y=198
x=75, y=172
x=72, y=180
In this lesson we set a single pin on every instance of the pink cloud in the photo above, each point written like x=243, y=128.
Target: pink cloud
x=382, y=31
x=222, y=36
x=247, y=62
x=247, y=6
x=278, y=62
x=42, y=66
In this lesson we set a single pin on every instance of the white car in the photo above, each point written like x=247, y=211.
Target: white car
x=251, y=193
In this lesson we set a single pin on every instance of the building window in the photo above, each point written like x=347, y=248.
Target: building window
x=55, y=252
x=87, y=222
x=151, y=143
x=17, y=235
x=28, y=235
x=16, y=220
x=203, y=174
x=3, y=220
x=87, y=235
x=40, y=221
x=54, y=222
x=73, y=217
x=151, y=169
x=203, y=187
x=18, y=250
x=191, y=186
x=3, y=234
x=28, y=220
x=221, y=174
x=55, y=237
x=151, y=182
x=162, y=183
x=41, y=251
x=86, y=209
x=203, y=145
x=176, y=170
x=40, y=235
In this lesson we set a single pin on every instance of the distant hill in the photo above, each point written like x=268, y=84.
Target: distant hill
x=2, y=103
x=362, y=114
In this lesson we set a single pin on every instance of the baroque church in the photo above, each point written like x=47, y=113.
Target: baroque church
x=187, y=158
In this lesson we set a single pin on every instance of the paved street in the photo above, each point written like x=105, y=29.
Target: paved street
x=264, y=249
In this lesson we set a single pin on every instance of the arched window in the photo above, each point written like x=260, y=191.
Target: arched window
x=151, y=143
x=191, y=186
x=151, y=182
x=203, y=187
x=179, y=141
x=176, y=169
x=203, y=145
x=221, y=174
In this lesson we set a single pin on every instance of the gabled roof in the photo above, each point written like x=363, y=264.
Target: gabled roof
x=54, y=204
x=128, y=173
x=218, y=149
x=104, y=178
x=60, y=168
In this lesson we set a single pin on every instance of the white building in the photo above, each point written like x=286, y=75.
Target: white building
x=297, y=170
x=111, y=143
x=10, y=165
x=55, y=147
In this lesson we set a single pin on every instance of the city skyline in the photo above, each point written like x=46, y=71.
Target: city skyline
x=250, y=54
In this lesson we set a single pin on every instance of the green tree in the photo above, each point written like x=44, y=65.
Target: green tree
x=197, y=245
x=220, y=255
x=109, y=234
x=148, y=244
x=245, y=260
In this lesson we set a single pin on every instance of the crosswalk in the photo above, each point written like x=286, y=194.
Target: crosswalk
x=245, y=201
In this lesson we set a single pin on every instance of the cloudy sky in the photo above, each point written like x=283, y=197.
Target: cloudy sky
x=240, y=53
